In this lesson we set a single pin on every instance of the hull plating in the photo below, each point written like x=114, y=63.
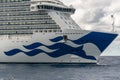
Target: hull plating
x=84, y=47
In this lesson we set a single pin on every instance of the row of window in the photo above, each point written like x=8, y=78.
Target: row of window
x=21, y=14
x=12, y=33
x=50, y=25
x=23, y=9
x=17, y=19
x=48, y=30
x=6, y=1
x=25, y=24
x=28, y=32
x=30, y=28
x=9, y=8
x=70, y=23
x=24, y=17
x=26, y=12
x=56, y=8
x=14, y=5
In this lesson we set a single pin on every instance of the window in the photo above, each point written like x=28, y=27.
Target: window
x=48, y=7
x=32, y=7
x=45, y=31
x=50, y=30
x=57, y=8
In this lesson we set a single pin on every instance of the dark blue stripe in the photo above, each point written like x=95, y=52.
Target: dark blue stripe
x=101, y=40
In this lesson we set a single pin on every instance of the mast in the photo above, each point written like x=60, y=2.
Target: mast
x=113, y=23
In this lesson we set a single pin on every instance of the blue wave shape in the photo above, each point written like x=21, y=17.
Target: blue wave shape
x=101, y=40
x=59, y=38
x=38, y=44
x=34, y=45
x=62, y=49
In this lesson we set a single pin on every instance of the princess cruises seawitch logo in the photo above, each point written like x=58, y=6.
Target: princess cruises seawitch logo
x=59, y=48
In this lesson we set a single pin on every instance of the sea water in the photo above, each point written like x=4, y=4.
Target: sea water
x=107, y=69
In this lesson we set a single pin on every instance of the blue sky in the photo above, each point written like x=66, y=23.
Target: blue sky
x=96, y=15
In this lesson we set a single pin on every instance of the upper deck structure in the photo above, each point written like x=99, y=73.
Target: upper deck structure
x=26, y=16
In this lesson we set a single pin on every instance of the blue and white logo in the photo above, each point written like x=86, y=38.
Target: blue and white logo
x=101, y=40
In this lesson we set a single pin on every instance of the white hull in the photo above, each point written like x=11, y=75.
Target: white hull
x=47, y=48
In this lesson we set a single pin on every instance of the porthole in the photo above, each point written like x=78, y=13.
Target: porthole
x=45, y=31
x=50, y=30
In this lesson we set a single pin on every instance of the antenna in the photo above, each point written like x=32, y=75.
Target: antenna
x=113, y=24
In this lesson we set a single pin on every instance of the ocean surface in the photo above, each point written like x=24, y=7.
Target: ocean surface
x=107, y=69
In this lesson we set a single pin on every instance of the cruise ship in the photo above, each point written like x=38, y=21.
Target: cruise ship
x=42, y=31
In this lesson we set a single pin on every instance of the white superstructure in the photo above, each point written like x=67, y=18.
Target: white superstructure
x=43, y=31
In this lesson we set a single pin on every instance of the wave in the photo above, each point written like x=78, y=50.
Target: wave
x=57, y=39
x=62, y=49
x=34, y=45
